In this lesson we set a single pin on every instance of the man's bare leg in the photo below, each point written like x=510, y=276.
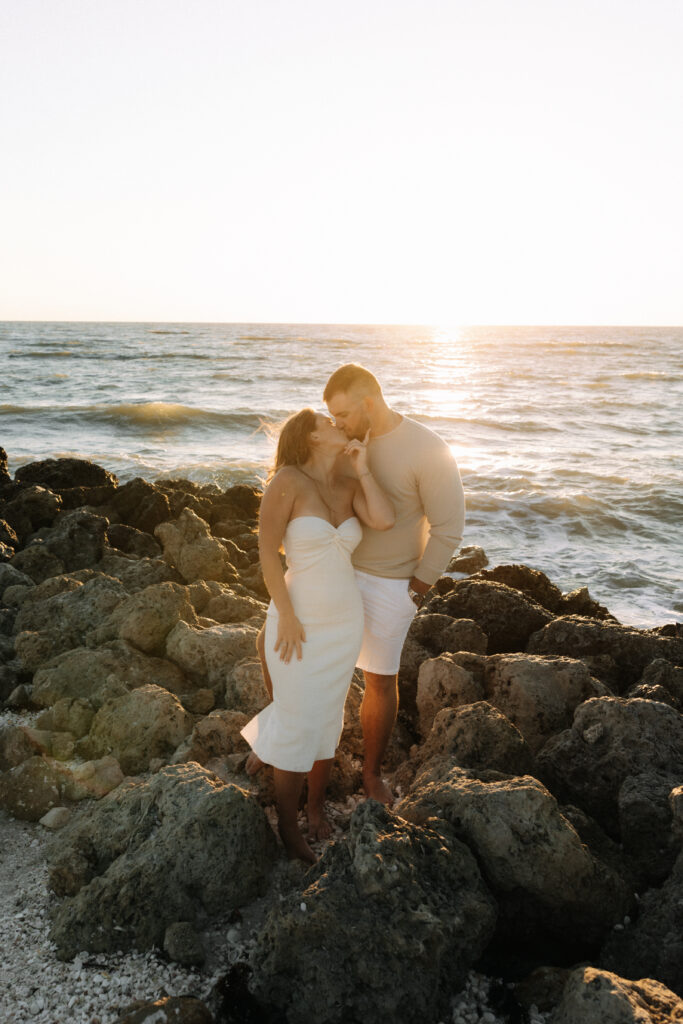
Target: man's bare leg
x=288, y=786
x=377, y=717
x=318, y=778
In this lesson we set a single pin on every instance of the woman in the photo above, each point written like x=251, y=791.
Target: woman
x=314, y=624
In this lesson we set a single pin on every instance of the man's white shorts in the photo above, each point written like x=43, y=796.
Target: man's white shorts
x=389, y=610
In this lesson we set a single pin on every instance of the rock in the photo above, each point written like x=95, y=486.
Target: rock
x=549, y=885
x=542, y=988
x=72, y=715
x=592, y=996
x=388, y=924
x=610, y=740
x=137, y=573
x=63, y=621
x=645, y=824
x=532, y=582
x=231, y=607
x=56, y=818
x=4, y=473
x=181, y=846
x=37, y=562
x=183, y=945
x=468, y=560
x=31, y=789
x=442, y=683
x=98, y=675
x=630, y=650
x=579, y=602
x=506, y=616
x=146, y=723
x=91, y=780
x=31, y=508
x=76, y=539
x=6, y=551
x=169, y=1010
x=662, y=673
x=90, y=499
x=146, y=618
x=20, y=698
x=189, y=546
x=208, y=655
x=217, y=735
x=245, y=690
x=653, y=945
x=141, y=505
x=11, y=577
x=132, y=541
x=58, y=474
x=201, y=702
x=645, y=691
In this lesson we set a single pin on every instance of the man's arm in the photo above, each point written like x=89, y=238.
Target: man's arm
x=443, y=500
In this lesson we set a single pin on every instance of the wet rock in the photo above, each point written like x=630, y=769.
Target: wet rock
x=100, y=674
x=169, y=1010
x=548, y=883
x=630, y=650
x=592, y=996
x=178, y=847
x=64, y=473
x=31, y=789
x=610, y=740
x=189, y=546
x=579, y=602
x=207, y=655
x=141, y=505
x=532, y=582
x=469, y=559
x=146, y=618
x=147, y=723
x=386, y=927
x=183, y=945
x=506, y=616
x=653, y=944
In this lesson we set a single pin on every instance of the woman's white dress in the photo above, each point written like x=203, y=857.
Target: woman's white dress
x=304, y=721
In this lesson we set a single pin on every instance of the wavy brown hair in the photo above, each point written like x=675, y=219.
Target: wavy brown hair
x=294, y=444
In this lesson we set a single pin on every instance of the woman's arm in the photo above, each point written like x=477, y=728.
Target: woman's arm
x=370, y=503
x=276, y=510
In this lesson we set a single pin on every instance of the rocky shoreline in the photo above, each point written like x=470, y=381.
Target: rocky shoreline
x=531, y=869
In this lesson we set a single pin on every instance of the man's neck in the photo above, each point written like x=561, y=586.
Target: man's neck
x=384, y=421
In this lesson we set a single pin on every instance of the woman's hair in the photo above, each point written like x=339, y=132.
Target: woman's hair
x=294, y=445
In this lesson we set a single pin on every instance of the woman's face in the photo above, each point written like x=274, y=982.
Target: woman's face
x=328, y=435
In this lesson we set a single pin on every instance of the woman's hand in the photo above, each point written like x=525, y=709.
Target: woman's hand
x=290, y=637
x=358, y=454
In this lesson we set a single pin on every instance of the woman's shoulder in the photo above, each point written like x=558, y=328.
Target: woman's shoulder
x=288, y=478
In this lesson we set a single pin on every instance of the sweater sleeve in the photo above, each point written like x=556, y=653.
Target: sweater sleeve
x=443, y=500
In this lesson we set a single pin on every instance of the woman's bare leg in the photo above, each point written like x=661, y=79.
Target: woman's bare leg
x=318, y=778
x=288, y=786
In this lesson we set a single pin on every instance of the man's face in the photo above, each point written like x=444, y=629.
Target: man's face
x=349, y=413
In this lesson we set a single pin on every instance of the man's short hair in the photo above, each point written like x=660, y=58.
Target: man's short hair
x=351, y=377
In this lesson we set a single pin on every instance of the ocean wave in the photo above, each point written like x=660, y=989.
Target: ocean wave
x=148, y=414
x=150, y=331
x=54, y=354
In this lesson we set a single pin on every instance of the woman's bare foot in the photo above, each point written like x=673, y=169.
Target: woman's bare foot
x=318, y=825
x=253, y=764
x=376, y=789
x=295, y=844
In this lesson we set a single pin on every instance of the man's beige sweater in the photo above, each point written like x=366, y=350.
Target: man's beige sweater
x=418, y=472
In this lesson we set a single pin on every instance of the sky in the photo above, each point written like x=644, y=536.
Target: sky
x=371, y=161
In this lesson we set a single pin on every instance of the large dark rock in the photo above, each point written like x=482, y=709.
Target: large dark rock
x=616, y=654
x=30, y=509
x=549, y=885
x=610, y=741
x=57, y=474
x=4, y=473
x=182, y=846
x=507, y=617
x=141, y=505
x=386, y=928
x=132, y=541
x=76, y=539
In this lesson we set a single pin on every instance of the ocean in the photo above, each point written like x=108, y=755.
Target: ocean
x=568, y=439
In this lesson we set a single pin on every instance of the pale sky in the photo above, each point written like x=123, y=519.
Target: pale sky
x=392, y=161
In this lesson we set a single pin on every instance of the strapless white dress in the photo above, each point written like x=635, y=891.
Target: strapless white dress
x=305, y=719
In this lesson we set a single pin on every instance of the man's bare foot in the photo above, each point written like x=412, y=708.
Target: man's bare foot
x=376, y=789
x=318, y=825
x=295, y=844
x=253, y=764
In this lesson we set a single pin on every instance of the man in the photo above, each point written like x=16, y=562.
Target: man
x=397, y=567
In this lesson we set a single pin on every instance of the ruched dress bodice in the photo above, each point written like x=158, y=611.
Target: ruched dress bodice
x=304, y=721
